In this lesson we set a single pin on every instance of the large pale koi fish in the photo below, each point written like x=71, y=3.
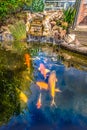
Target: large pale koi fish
x=43, y=70
x=42, y=85
x=52, y=84
x=39, y=104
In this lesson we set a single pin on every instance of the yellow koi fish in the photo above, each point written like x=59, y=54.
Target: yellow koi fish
x=52, y=84
x=42, y=85
x=22, y=96
x=28, y=78
x=39, y=104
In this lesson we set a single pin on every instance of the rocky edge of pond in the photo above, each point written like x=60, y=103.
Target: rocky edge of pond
x=51, y=33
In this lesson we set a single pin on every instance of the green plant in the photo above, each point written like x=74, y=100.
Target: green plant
x=37, y=5
x=8, y=7
x=69, y=15
x=18, y=30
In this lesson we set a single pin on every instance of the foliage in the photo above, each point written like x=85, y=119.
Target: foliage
x=67, y=19
x=62, y=24
x=12, y=75
x=37, y=5
x=18, y=30
x=69, y=15
x=9, y=101
x=12, y=6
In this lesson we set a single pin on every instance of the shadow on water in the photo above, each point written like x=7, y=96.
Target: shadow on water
x=70, y=111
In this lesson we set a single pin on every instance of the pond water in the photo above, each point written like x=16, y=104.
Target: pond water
x=70, y=111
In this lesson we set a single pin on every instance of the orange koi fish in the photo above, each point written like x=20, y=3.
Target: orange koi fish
x=39, y=104
x=27, y=59
x=52, y=83
x=42, y=85
x=43, y=70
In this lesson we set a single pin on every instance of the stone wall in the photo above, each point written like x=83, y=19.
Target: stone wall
x=48, y=26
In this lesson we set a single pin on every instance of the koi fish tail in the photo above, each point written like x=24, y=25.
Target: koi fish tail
x=53, y=103
x=45, y=77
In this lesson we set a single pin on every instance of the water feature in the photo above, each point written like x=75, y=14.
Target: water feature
x=70, y=111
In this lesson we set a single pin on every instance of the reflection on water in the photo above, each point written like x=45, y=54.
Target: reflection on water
x=70, y=112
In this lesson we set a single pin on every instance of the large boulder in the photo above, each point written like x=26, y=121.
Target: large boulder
x=53, y=23
x=55, y=27
x=70, y=38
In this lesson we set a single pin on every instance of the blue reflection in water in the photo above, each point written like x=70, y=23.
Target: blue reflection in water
x=71, y=110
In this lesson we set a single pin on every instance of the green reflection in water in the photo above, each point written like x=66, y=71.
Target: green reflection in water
x=13, y=75
x=9, y=100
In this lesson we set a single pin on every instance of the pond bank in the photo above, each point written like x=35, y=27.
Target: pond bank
x=79, y=45
x=74, y=46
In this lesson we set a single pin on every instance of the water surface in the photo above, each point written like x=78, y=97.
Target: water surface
x=70, y=112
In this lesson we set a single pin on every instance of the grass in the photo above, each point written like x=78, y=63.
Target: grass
x=18, y=30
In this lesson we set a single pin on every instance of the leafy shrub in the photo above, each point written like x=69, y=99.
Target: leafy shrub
x=8, y=7
x=69, y=15
x=37, y=5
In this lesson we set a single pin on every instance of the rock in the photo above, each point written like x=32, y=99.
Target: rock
x=55, y=27
x=5, y=28
x=6, y=36
x=0, y=37
x=66, y=56
x=77, y=42
x=53, y=23
x=56, y=35
x=1, y=30
x=59, y=29
x=6, y=46
x=27, y=26
x=29, y=17
x=63, y=33
x=70, y=38
x=46, y=33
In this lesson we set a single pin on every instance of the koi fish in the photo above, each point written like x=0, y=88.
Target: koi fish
x=39, y=104
x=43, y=70
x=22, y=96
x=42, y=85
x=52, y=84
x=28, y=78
x=27, y=60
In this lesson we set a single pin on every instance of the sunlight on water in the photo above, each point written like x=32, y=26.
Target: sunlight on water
x=70, y=109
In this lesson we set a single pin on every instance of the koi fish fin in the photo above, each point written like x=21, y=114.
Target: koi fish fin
x=47, y=70
x=40, y=96
x=39, y=104
x=29, y=79
x=56, y=79
x=39, y=68
x=53, y=103
x=57, y=90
